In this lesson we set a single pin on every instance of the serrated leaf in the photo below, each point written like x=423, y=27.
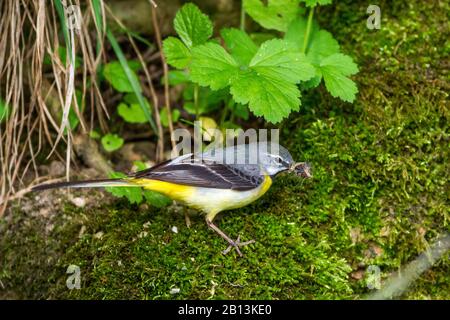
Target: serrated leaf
x=340, y=62
x=212, y=66
x=277, y=14
x=312, y=83
x=132, y=113
x=335, y=70
x=270, y=98
x=177, y=54
x=192, y=26
x=322, y=44
x=133, y=194
x=240, y=44
x=313, y=3
x=116, y=76
x=338, y=84
x=278, y=59
x=111, y=142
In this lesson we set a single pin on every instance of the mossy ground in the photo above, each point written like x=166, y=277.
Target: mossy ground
x=378, y=197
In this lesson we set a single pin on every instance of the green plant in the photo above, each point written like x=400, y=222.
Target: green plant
x=266, y=77
x=137, y=195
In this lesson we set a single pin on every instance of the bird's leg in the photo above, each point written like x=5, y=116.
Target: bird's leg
x=232, y=244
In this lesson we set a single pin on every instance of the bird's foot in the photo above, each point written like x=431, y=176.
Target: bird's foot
x=236, y=244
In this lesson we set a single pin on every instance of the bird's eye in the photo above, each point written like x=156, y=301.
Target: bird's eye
x=277, y=159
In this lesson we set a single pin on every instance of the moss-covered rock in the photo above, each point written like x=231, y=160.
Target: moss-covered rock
x=378, y=197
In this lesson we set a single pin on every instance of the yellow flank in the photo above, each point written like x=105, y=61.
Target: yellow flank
x=174, y=191
x=209, y=200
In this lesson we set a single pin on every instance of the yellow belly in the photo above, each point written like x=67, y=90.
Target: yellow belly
x=209, y=200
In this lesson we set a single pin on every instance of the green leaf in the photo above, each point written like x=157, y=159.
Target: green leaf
x=313, y=3
x=177, y=54
x=156, y=199
x=212, y=66
x=94, y=135
x=131, y=113
x=269, y=85
x=335, y=70
x=296, y=30
x=139, y=165
x=270, y=98
x=277, y=14
x=116, y=76
x=340, y=62
x=112, y=142
x=313, y=82
x=240, y=44
x=192, y=26
x=131, y=77
x=240, y=110
x=4, y=110
x=259, y=37
x=208, y=101
x=322, y=45
x=133, y=194
x=163, y=115
x=278, y=59
x=177, y=77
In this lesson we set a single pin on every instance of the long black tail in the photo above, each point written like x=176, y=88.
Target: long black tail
x=86, y=184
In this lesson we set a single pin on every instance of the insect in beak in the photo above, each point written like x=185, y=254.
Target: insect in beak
x=302, y=169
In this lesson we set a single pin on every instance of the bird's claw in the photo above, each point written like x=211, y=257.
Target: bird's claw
x=236, y=244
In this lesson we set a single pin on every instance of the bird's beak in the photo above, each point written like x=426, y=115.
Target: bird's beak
x=302, y=169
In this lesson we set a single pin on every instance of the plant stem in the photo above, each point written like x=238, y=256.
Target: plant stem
x=242, y=17
x=308, y=29
x=196, y=101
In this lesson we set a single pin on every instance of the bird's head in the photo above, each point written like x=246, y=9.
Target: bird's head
x=281, y=160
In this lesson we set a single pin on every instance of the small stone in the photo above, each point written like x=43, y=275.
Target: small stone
x=82, y=230
x=357, y=275
x=79, y=202
x=385, y=231
x=174, y=290
x=355, y=235
x=143, y=234
x=57, y=168
x=98, y=235
x=146, y=225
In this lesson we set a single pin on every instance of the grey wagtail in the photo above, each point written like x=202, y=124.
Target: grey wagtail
x=213, y=181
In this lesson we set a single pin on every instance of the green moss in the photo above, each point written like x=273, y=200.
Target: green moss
x=378, y=197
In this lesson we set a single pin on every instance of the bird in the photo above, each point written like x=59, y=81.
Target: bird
x=212, y=181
